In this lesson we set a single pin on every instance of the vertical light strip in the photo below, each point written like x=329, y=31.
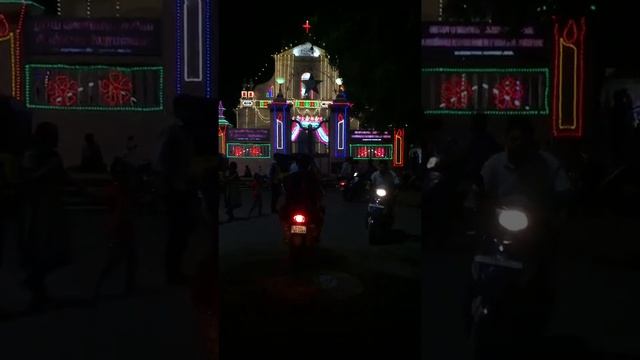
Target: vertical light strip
x=340, y=133
x=117, y=8
x=88, y=8
x=18, y=53
x=279, y=132
x=12, y=55
x=59, y=7
x=207, y=52
x=574, y=51
x=186, y=43
x=179, y=37
x=568, y=49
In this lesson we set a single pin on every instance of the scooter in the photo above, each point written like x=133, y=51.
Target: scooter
x=301, y=234
x=380, y=215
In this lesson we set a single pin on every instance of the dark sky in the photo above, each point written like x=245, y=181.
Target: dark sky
x=250, y=34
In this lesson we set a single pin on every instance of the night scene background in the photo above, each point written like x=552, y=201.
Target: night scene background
x=106, y=250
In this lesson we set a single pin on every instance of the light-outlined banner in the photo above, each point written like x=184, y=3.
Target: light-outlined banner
x=493, y=91
x=107, y=88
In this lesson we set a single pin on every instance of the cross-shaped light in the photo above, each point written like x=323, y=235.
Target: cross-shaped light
x=306, y=26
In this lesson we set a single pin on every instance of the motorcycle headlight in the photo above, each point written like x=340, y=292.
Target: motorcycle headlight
x=513, y=220
x=433, y=161
x=355, y=174
x=381, y=192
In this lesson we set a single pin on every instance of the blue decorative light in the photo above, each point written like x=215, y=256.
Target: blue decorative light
x=207, y=54
x=178, y=47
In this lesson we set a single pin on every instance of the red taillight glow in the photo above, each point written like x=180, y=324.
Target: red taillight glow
x=299, y=218
x=343, y=183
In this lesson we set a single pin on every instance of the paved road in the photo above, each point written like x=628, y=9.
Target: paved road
x=362, y=301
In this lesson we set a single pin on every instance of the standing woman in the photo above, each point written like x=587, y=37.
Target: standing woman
x=232, y=185
x=46, y=246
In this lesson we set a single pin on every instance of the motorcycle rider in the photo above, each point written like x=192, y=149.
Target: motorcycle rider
x=523, y=170
x=346, y=171
x=384, y=177
x=303, y=190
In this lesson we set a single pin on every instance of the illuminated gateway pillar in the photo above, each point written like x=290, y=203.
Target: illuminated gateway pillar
x=195, y=34
x=281, y=125
x=339, y=127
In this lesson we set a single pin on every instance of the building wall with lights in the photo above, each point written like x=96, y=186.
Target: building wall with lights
x=117, y=83
x=294, y=68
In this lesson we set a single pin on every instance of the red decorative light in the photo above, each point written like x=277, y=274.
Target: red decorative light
x=398, y=147
x=4, y=26
x=379, y=153
x=508, y=94
x=222, y=136
x=568, y=78
x=455, y=93
x=62, y=91
x=18, y=53
x=306, y=26
x=238, y=151
x=255, y=151
x=363, y=152
x=299, y=218
x=116, y=89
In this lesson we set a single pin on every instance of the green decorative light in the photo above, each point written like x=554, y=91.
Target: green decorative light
x=21, y=2
x=544, y=111
x=262, y=104
x=247, y=146
x=280, y=80
x=308, y=103
x=159, y=69
x=356, y=157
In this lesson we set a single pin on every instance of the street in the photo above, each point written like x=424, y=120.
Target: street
x=361, y=301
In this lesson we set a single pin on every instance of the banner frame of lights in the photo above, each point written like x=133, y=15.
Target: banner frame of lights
x=231, y=156
x=543, y=70
x=398, y=147
x=577, y=44
x=23, y=2
x=355, y=157
x=261, y=131
x=160, y=94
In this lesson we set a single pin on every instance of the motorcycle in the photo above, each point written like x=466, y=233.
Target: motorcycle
x=379, y=215
x=499, y=280
x=301, y=234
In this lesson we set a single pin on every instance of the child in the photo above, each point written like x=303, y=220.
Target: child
x=256, y=187
x=122, y=246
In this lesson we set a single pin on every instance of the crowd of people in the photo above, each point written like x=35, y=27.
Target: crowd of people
x=34, y=178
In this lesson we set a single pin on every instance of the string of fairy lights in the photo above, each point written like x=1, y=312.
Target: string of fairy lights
x=88, y=8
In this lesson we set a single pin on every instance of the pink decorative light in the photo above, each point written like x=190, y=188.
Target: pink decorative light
x=508, y=94
x=62, y=91
x=116, y=89
x=455, y=93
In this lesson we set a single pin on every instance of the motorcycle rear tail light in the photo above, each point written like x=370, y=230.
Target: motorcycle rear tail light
x=299, y=218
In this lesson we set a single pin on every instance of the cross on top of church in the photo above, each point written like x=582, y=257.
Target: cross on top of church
x=306, y=26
